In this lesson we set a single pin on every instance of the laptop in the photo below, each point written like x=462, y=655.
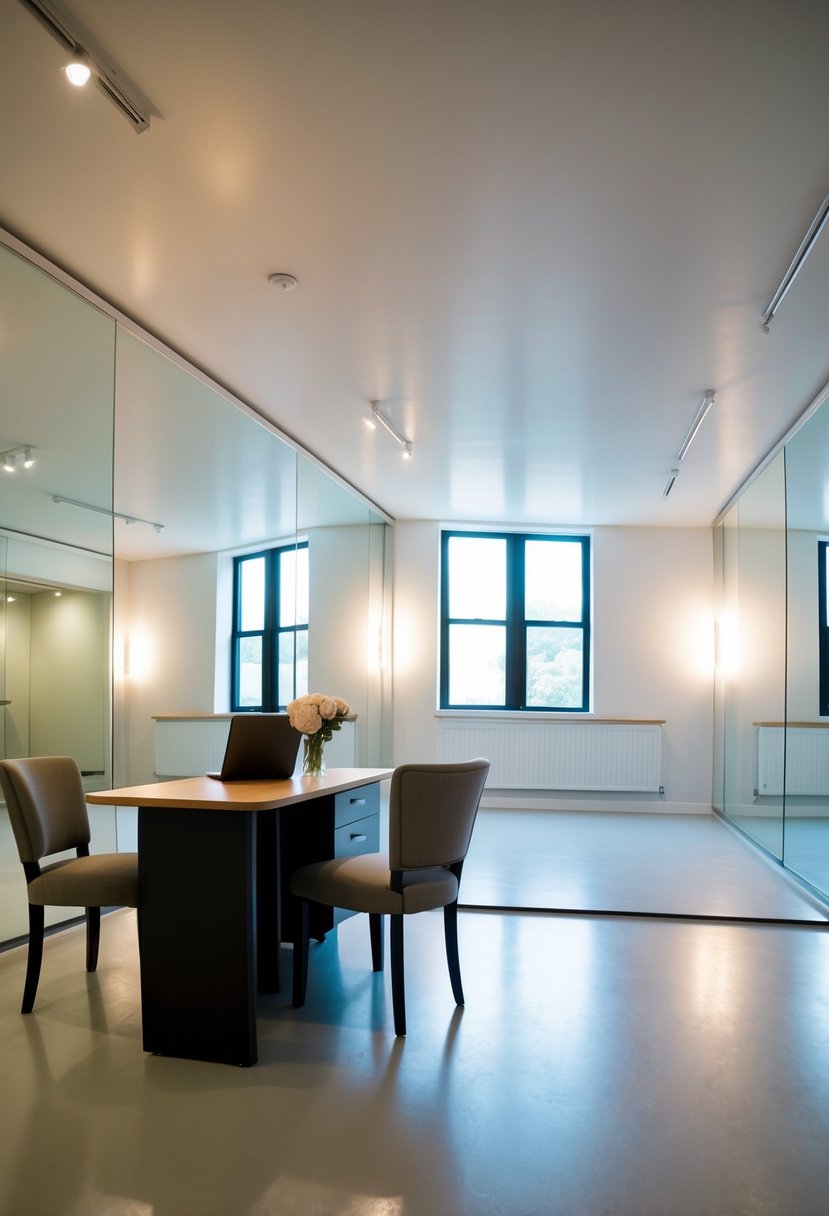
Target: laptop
x=260, y=747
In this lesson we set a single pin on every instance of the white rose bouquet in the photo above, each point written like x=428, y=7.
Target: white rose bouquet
x=317, y=716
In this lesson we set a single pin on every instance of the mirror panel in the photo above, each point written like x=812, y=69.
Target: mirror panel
x=198, y=479
x=218, y=482
x=348, y=571
x=56, y=384
x=807, y=734
x=755, y=566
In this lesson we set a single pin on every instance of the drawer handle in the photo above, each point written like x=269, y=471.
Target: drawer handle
x=359, y=836
x=357, y=801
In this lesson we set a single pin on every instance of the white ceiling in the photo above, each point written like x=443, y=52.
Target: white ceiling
x=536, y=232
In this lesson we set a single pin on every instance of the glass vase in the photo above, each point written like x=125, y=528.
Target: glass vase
x=313, y=756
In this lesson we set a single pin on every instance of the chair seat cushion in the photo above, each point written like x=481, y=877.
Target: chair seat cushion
x=361, y=884
x=109, y=880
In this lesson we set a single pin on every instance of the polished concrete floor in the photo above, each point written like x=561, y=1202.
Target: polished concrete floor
x=639, y=863
x=601, y=1067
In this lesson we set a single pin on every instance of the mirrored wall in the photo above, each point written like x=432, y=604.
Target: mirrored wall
x=772, y=713
x=56, y=435
x=118, y=533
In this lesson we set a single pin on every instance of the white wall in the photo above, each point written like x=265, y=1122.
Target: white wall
x=652, y=648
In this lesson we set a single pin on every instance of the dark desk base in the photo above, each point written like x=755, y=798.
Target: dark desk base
x=198, y=940
x=216, y=906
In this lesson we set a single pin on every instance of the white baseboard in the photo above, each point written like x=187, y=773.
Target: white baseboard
x=512, y=800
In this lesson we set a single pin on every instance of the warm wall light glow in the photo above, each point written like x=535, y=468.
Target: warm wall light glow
x=695, y=637
x=139, y=656
x=727, y=651
x=375, y=657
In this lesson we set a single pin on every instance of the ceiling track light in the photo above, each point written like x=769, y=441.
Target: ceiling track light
x=707, y=402
x=78, y=69
x=804, y=249
x=74, y=41
x=387, y=425
x=670, y=485
x=128, y=519
x=18, y=458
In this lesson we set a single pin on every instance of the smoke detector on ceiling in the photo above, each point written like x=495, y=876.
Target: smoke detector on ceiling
x=286, y=281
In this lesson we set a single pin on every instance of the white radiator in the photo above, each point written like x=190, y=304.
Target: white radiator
x=612, y=756
x=806, y=757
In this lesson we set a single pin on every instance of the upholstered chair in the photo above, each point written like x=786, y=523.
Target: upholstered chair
x=432, y=811
x=45, y=800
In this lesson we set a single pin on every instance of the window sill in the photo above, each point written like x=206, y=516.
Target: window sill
x=532, y=715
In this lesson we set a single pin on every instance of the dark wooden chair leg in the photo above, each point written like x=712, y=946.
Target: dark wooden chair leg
x=450, y=930
x=398, y=987
x=36, y=922
x=93, y=937
x=301, y=954
x=375, y=928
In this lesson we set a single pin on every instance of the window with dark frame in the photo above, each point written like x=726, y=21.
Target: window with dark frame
x=823, y=629
x=269, y=648
x=515, y=621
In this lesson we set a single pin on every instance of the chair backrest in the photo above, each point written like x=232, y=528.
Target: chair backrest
x=432, y=811
x=46, y=804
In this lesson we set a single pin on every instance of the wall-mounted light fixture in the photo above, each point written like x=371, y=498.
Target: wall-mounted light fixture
x=128, y=519
x=84, y=64
x=804, y=249
x=707, y=402
x=378, y=418
x=17, y=458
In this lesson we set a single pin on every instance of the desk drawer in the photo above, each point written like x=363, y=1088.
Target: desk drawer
x=361, y=836
x=351, y=805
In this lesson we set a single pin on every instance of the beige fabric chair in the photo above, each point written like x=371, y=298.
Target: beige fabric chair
x=432, y=812
x=46, y=805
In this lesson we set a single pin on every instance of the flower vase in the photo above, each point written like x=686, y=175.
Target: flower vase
x=313, y=756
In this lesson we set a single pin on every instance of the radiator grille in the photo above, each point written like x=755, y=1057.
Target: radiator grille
x=617, y=757
x=806, y=760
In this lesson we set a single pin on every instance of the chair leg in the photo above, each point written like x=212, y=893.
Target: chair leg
x=375, y=928
x=36, y=922
x=398, y=988
x=301, y=955
x=450, y=931
x=93, y=937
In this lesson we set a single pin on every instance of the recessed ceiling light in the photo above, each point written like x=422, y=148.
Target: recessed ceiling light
x=280, y=279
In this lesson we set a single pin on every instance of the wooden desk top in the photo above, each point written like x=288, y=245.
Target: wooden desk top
x=207, y=794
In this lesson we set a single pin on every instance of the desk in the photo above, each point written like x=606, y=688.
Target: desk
x=211, y=904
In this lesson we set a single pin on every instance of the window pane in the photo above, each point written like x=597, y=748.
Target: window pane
x=477, y=664
x=555, y=664
x=293, y=587
x=292, y=677
x=552, y=579
x=250, y=672
x=477, y=578
x=252, y=594
x=301, y=661
x=302, y=588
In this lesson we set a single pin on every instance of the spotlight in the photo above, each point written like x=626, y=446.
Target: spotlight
x=21, y=457
x=78, y=69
